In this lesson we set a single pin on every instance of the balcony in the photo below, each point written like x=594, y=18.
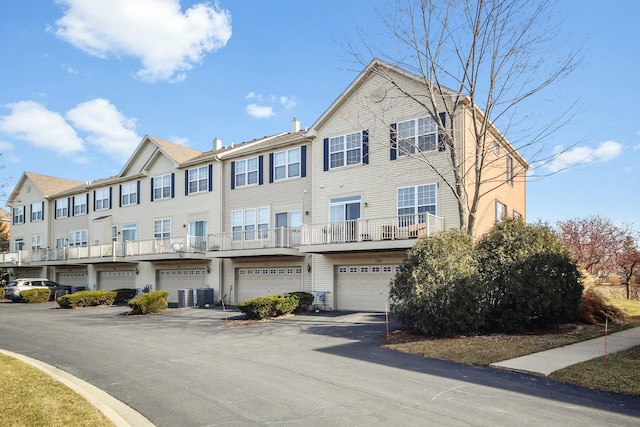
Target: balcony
x=281, y=241
x=399, y=232
x=189, y=247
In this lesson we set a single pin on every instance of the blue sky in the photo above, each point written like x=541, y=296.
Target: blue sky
x=83, y=81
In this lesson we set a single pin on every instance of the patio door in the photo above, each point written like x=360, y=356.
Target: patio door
x=344, y=213
x=198, y=236
x=288, y=225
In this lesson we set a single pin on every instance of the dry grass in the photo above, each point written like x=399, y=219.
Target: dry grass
x=32, y=398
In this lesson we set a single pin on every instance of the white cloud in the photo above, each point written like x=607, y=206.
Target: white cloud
x=6, y=153
x=32, y=122
x=287, y=102
x=167, y=41
x=259, y=111
x=606, y=151
x=253, y=95
x=108, y=129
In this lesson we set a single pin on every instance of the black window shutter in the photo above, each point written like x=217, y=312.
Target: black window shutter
x=138, y=192
x=120, y=196
x=72, y=207
x=441, y=137
x=326, y=154
x=42, y=210
x=110, y=196
x=260, y=169
x=271, y=168
x=152, y=189
x=86, y=198
x=173, y=185
x=393, y=152
x=303, y=161
x=365, y=147
x=94, y=201
x=186, y=182
x=210, y=177
x=233, y=175
x=55, y=209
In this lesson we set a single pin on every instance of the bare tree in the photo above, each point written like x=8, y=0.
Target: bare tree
x=479, y=57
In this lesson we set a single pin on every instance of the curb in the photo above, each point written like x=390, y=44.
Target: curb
x=120, y=414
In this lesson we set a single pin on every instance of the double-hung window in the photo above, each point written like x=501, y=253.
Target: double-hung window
x=18, y=215
x=162, y=187
x=198, y=179
x=414, y=203
x=102, y=199
x=37, y=211
x=501, y=211
x=18, y=244
x=36, y=242
x=510, y=173
x=246, y=172
x=345, y=150
x=417, y=135
x=62, y=208
x=162, y=228
x=78, y=238
x=250, y=224
x=286, y=164
x=80, y=205
x=129, y=194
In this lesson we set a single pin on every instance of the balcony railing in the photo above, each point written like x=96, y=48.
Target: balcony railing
x=180, y=245
x=282, y=237
x=372, y=229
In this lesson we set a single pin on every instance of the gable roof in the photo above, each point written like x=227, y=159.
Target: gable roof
x=175, y=152
x=48, y=185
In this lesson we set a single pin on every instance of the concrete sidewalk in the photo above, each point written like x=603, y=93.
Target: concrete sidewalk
x=546, y=362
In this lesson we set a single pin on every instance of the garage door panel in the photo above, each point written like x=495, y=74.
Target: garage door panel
x=73, y=278
x=260, y=282
x=111, y=280
x=173, y=280
x=363, y=287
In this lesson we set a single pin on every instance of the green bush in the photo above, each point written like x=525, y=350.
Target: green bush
x=35, y=296
x=305, y=301
x=271, y=306
x=436, y=290
x=530, y=281
x=87, y=299
x=151, y=302
x=124, y=294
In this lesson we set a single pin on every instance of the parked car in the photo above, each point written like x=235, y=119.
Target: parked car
x=12, y=289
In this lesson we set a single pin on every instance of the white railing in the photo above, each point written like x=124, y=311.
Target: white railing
x=255, y=239
x=372, y=229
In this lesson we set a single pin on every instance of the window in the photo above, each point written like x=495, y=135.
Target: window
x=129, y=232
x=37, y=211
x=246, y=172
x=286, y=164
x=36, y=242
x=496, y=149
x=501, y=211
x=114, y=233
x=198, y=235
x=62, y=208
x=517, y=215
x=61, y=242
x=417, y=135
x=18, y=244
x=253, y=222
x=510, y=173
x=162, y=228
x=102, y=199
x=80, y=205
x=198, y=180
x=162, y=187
x=18, y=215
x=129, y=194
x=414, y=202
x=78, y=238
x=345, y=150
x=288, y=225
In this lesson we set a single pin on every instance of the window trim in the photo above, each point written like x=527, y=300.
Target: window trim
x=198, y=180
x=500, y=217
x=415, y=146
x=18, y=241
x=241, y=231
x=287, y=164
x=62, y=208
x=406, y=219
x=158, y=184
x=510, y=171
x=37, y=211
x=82, y=203
x=163, y=234
x=246, y=172
x=125, y=191
x=102, y=197
x=36, y=242
x=18, y=215
x=78, y=238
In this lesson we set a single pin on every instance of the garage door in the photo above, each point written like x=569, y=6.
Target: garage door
x=363, y=287
x=110, y=280
x=73, y=278
x=261, y=282
x=172, y=280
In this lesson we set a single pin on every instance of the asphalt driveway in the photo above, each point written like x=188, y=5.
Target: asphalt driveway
x=185, y=368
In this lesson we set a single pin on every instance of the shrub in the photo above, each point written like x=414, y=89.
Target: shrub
x=151, y=302
x=530, y=281
x=35, y=296
x=271, y=306
x=436, y=290
x=124, y=294
x=305, y=301
x=87, y=299
x=595, y=310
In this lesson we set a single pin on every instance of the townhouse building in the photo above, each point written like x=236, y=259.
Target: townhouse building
x=330, y=209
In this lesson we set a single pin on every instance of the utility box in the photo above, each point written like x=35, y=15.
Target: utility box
x=205, y=297
x=185, y=298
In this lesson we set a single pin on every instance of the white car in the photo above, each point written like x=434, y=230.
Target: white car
x=12, y=289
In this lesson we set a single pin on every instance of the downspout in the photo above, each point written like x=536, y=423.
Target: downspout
x=220, y=222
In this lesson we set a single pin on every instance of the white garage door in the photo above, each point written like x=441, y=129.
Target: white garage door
x=111, y=280
x=261, y=282
x=172, y=280
x=73, y=278
x=363, y=287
